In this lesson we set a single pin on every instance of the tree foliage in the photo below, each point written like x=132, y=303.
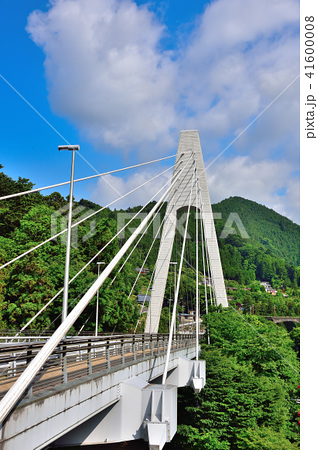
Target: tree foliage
x=266, y=229
x=28, y=220
x=29, y=283
x=249, y=397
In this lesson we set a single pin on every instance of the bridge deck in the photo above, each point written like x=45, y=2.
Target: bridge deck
x=95, y=371
x=76, y=358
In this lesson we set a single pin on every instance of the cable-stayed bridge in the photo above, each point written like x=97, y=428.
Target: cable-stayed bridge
x=98, y=389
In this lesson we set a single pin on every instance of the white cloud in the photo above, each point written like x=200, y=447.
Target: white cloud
x=104, y=194
x=241, y=22
x=238, y=61
x=240, y=176
x=104, y=70
x=108, y=74
x=258, y=181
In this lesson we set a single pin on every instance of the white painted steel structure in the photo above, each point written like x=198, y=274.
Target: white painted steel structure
x=109, y=406
x=189, y=148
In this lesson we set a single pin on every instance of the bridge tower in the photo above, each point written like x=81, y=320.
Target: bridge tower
x=188, y=148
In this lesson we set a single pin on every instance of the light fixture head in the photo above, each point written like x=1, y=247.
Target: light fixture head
x=68, y=147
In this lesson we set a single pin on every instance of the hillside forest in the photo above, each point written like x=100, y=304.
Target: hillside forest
x=249, y=401
x=266, y=249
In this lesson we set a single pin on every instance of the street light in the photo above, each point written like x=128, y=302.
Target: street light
x=170, y=300
x=175, y=279
x=97, y=298
x=72, y=148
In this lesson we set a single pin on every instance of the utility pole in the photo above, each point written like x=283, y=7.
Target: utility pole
x=71, y=148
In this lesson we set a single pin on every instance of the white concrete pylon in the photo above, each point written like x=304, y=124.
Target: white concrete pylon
x=188, y=148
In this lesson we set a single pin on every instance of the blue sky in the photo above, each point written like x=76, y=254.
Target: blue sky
x=122, y=78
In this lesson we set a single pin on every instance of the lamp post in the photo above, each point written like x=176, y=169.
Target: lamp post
x=72, y=148
x=170, y=300
x=175, y=279
x=97, y=300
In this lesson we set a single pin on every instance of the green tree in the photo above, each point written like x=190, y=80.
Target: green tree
x=252, y=374
x=28, y=288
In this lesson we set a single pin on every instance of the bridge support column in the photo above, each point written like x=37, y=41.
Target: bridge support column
x=189, y=148
x=188, y=373
x=160, y=410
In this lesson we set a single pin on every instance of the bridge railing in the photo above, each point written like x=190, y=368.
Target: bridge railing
x=10, y=336
x=279, y=319
x=79, y=357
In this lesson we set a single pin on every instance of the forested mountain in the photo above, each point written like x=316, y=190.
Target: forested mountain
x=269, y=251
x=265, y=227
